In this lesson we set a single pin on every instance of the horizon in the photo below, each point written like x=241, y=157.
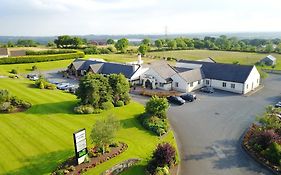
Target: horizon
x=146, y=17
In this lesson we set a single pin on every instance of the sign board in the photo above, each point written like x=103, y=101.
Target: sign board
x=80, y=145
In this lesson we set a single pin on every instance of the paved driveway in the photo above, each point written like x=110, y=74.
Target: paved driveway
x=209, y=130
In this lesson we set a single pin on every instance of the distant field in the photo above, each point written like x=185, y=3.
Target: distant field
x=219, y=56
x=36, y=141
x=121, y=58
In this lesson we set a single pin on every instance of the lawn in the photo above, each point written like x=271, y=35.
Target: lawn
x=35, y=141
x=219, y=56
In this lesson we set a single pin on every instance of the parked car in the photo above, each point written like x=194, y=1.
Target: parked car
x=207, y=89
x=176, y=100
x=62, y=86
x=278, y=105
x=72, y=90
x=32, y=77
x=188, y=97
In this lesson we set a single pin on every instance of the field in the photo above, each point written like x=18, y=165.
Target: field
x=35, y=141
x=219, y=56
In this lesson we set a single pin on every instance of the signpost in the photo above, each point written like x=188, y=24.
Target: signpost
x=80, y=145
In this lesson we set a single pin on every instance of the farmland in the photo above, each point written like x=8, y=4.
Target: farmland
x=36, y=141
x=219, y=56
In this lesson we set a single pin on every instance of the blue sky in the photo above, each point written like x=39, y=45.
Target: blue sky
x=80, y=17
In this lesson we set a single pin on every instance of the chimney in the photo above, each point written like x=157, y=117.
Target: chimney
x=139, y=59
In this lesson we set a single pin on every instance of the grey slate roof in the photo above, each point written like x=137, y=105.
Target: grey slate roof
x=224, y=72
x=192, y=75
x=104, y=67
x=163, y=69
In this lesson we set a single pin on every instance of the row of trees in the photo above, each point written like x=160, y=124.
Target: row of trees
x=66, y=41
x=20, y=43
x=220, y=43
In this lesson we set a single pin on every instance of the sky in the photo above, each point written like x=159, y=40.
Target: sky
x=114, y=17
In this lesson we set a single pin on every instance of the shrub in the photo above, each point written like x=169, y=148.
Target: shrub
x=262, y=139
x=126, y=99
x=14, y=71
x=119, y=103
x=41, y=58
x=107, y=105
x=155, y=124
x=41, y=85
x=157, y=106
x=273, y=153
x=97, y=111
x=34, y=68
x=162, y=171
x=49, y=52
x=84, y=109
x=50, y=86
x=163, y=156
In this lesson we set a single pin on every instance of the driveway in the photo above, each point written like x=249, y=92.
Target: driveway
x=55, y=76
x=209, y=130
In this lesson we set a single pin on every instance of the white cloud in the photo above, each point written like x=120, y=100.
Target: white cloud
x=53, y=17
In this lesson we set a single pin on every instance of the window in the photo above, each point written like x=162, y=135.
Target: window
x=161, y=85
x=224, y=84
x=207, y=82
x=177, y=84
x=199, y=81
x=191, y=84
x=232, y=86
x=247, y=86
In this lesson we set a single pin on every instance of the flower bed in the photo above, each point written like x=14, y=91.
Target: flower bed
x=70, y=168
x=257, y=156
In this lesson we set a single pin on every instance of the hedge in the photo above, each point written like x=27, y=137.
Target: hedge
x=49, y=52
x=41, y=58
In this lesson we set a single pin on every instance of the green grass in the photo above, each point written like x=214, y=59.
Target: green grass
x=35, y=141
x=121, y=58
x=219, y=56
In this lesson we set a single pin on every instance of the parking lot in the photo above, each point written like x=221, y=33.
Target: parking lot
x=209, y=130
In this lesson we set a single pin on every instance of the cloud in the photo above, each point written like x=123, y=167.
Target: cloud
x=53, y=17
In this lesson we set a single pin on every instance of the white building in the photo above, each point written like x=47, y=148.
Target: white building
x=188, y=76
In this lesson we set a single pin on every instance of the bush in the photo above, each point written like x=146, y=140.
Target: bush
x=262, y=139
x=49, y=52
x=107, y=105
x=84, y=109
x=41, y=58
x=13, y=71
x=155, y=124
x=50, y=86
x=34, y=68
x=119, y=103
x=163, y=156
x=273, y=153
x=157, y=107
x=126, y=99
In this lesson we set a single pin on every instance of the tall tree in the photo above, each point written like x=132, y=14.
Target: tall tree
x=158, y=43
x=94, y=89
x=110, y=41
x=120, y=87
x=172, y=44
x=122, y=45
x=146, y=41
x=143, y=49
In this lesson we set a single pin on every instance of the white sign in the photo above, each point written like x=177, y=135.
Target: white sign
x=80, y=144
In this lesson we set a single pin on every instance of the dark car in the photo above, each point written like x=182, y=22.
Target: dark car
x=207, y=89
x=188, y=97
x=176, y=100
x=278, y=105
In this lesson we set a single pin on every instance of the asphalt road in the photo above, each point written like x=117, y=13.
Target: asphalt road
x=209, y=131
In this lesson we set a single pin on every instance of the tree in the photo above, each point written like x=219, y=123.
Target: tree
x=143, y=49
x=157, y=106
x=110, y=41
x=180, y=43
x=51, y=44
x=146, y=41
x=172, y=44
x=104, y=132
x=269, y=48
x=66, y=41
x=122, y=45
x=94, y=89
x=120, y=87
x=158, y=43
x=10, y=44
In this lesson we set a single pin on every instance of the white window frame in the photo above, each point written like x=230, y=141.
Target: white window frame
x=232, y=86
x=223, y=84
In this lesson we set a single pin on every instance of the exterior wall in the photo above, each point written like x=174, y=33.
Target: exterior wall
x=3, y=56
x=196, y=85
x=253, y=81
x=159, y=81
x=218, y=84
x=188, y=65
x=138, y=73
x=182, y=84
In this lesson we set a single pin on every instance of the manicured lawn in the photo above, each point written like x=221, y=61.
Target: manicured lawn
x=35, y=141
x=219, y=56
x=42, y=66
